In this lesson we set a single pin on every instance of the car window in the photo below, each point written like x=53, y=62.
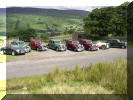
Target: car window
x=57, y=42
x=21, y=43
x=75, y=42
x=89, y=41
x=37, y=41
x=14, y=43
x=115, y=41
x=118, y=41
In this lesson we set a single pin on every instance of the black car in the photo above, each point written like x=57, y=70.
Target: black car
x=11, y=50
x=116, y=43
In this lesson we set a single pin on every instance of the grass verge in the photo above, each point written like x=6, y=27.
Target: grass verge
x=102, y=78
x=2, y=88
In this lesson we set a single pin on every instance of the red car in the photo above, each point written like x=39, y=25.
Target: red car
x=37, y=45
x=88, y=45
x=74, y=45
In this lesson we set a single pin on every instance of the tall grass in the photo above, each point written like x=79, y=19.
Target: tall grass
x=111, y=76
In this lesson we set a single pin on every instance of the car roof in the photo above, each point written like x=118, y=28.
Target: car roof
x=35, y=40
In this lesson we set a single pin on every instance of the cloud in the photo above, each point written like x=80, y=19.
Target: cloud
x=86, y=8
x=62, y=4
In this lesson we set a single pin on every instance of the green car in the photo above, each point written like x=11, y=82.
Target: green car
x=21, y=44
x=56, y=45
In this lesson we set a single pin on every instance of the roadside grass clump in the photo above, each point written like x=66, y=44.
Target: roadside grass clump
x=110, y=77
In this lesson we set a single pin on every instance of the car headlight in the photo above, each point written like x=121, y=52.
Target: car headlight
x=17, y=50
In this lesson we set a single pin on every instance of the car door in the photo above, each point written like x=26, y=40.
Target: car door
x=115, y=43
x=33, y=45
x=53, y=45
x=50, y=44
x=71, y=45
x=86, y=45
x=112, y=43
x=8, y=50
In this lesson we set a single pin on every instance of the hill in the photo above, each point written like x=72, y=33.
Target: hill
x=44, y=20
x=2, y=21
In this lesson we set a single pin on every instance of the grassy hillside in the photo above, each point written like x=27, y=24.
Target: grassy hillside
x=44, y=20
x=102, y=78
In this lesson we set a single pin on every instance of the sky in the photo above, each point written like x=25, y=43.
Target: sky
x=62, y=4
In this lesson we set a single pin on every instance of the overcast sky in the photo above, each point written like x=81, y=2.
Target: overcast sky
x=62, y=4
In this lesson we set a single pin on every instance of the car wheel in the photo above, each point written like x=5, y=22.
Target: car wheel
x=75, y=49
x=103, y=47
x=123, y=47
x=37, y=49
x=13, y=53
x=89, y=49
x=57, y=49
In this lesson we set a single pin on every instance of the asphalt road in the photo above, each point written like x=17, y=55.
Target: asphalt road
x=22, y=68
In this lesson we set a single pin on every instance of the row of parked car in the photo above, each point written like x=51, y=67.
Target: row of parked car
x=19, y=47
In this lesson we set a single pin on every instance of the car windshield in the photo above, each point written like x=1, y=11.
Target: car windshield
x=21, y=43
x=57, y=42
x=118, y=41
x=89, y=41
x=75, y=42
x=37, y=41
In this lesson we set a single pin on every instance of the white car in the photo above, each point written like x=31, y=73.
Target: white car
x=102, y=45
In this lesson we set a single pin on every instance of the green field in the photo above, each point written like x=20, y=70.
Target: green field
x=44, y=21
x=2, y=23
x=62, y=37
x=102, y=78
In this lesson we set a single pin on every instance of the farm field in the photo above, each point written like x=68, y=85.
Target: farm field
x=102, y=78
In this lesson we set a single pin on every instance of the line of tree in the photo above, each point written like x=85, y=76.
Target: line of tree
x=24, y=35
x=107, y=22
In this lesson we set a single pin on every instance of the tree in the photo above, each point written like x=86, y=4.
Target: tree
x=69, y=31
x=44, y=36
x=108, y=21
x=27, y=34
x=24, y=35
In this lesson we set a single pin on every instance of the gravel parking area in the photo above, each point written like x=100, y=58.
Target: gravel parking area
x=33, y=55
